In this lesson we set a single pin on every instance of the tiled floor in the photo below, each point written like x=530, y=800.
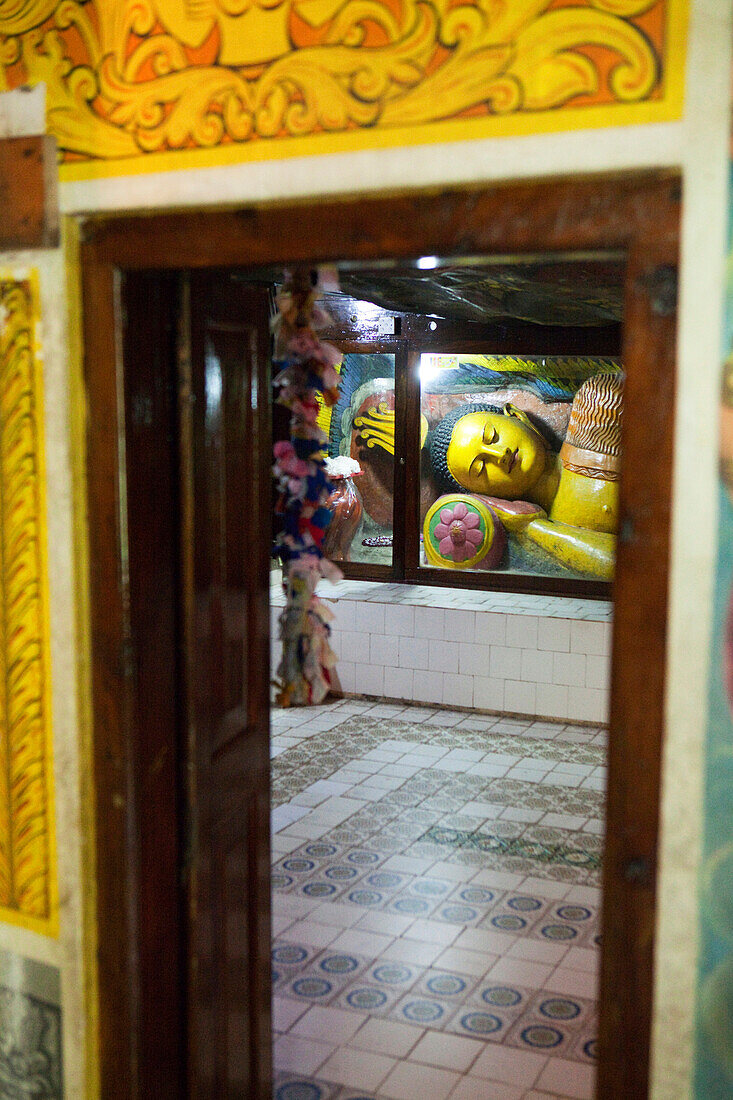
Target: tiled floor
x=435, y=904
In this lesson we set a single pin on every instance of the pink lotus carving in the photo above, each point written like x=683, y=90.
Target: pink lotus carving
x=459, y=533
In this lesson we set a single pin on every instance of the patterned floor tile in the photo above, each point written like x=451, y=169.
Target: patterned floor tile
x=558, y=926
x=491, y=1002
x=541, y=1036
x=504, y=920
x=334, y=964
x=431, y=888
x=295, y=1087
x=296, y=869
x=320, y=976
x=459, y=914
x=388, y=845
x=367, y=897
x=354, y=1094
x=318, y=888
x=476, y=895
x=362, y=996
x=445, y=985
x=479, y=1023
x=406, y=904
x=421, y=1011
x=574, y=1013
x=585, y=1046
x=386, y=882
x=395, y=976
x=289, y=960
x=420, y=814
x=313, y=988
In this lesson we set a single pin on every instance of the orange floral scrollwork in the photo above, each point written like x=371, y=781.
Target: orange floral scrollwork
x=131, y=77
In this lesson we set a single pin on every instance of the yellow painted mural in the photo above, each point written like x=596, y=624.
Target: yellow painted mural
x=142, y=85
x=27, y=848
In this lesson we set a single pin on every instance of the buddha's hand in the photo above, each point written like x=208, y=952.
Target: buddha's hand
x=515, y=515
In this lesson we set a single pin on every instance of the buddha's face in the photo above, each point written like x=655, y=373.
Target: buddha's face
x=497, y=454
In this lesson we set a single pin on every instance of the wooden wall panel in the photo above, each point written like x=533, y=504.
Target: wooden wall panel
x=28, y=193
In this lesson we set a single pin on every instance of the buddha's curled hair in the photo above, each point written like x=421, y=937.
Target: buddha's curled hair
x=595, y=420
x=440, y=437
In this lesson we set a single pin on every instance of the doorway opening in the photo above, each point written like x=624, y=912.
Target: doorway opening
x=436, y=871
x=199, y=883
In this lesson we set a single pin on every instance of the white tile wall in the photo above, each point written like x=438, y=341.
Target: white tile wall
x=443, y=655
x=430, y=622
x=520, y=697
x=384, y=650
x=460, y=626
x=474, y=658
x=553, y=635
x=521, y=631
x=537, y=666
x=538, y=655
x=398, y=683
x=552, y=701
x=399, y=619
x=490, y=628
x=427, y=687
x=414, y=652
x=505, y=663
x=370, y=618
x=568, y=668
x=488, y=694
x=457, y=690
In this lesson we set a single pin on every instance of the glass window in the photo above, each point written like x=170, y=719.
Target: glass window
x=520, y=463
x=361, y=426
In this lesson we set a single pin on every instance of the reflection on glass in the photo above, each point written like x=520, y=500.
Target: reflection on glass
x=361, y=427
x=521, y=464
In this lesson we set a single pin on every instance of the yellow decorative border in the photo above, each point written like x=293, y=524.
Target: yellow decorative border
x=153, y=85
x=28, y=876
x=455, y=130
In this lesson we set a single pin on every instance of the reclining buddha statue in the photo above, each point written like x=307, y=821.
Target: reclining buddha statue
x=500, y=477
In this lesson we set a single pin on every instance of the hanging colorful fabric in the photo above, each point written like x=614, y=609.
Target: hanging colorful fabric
x=306, y=365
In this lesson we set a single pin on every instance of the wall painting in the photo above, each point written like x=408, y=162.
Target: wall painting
x=144, y=85
x=30, y=1026
x=714, y=1055
x=714, y=1015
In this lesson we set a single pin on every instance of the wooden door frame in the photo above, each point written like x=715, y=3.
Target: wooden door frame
x=637, y=214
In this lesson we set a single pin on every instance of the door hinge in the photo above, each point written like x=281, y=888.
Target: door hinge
x=661, y=284
x=627, y=531
x=127, y=659
x=638, y=871
x=189, y=847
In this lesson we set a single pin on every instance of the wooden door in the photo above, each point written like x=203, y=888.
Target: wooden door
x=154, y=897
x=225, y=478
